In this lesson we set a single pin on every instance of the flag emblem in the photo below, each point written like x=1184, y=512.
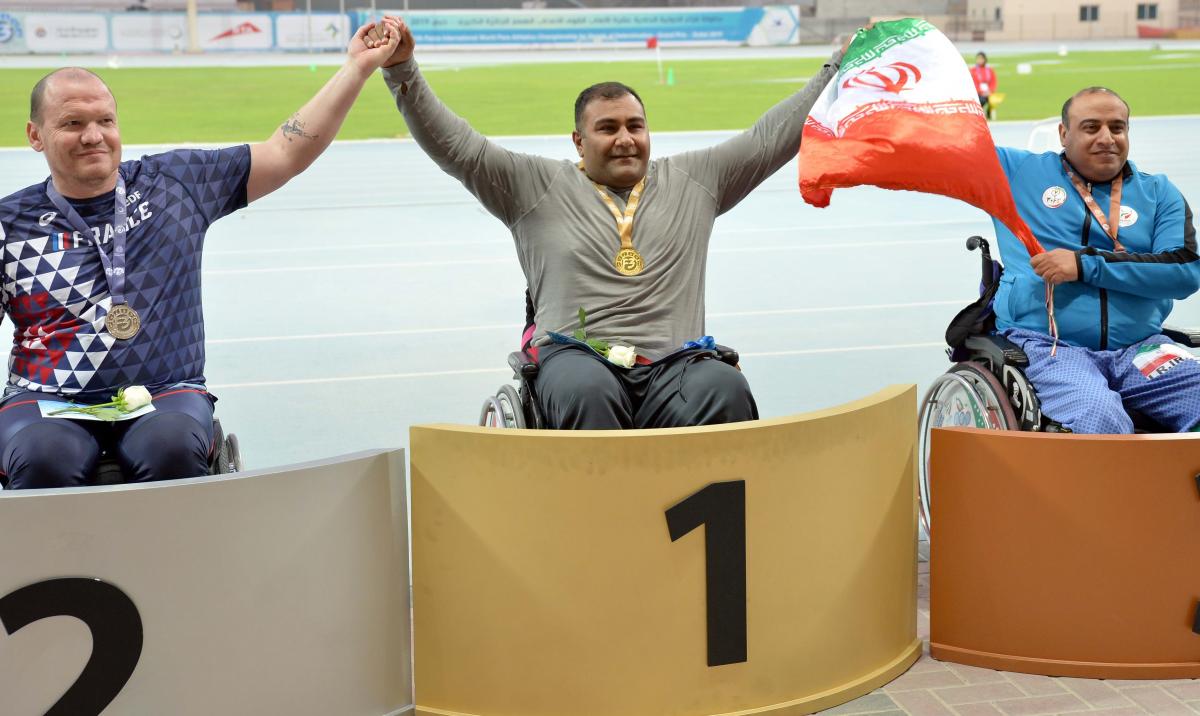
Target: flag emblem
x=893, y=78
x=62, y=241
x=1157, y=358
x=1054, y=197
x=1128, y=217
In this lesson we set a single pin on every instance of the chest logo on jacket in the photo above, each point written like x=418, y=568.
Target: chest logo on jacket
x=47, y=218
x=1054, y=197
x=1128, y=216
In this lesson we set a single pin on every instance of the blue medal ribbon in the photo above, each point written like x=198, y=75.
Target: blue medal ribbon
x=114, y=268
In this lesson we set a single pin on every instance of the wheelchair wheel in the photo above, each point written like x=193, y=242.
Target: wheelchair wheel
x=229, y=456
x=503, y=410
x=967, y=395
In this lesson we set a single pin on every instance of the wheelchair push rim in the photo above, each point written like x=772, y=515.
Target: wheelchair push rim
x=967, y=395
x=503, y=410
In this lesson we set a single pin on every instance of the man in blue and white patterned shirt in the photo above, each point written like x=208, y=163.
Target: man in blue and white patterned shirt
x=101, y=275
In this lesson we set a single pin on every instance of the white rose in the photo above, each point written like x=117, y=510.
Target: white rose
x=624, y=356
x=135, y=397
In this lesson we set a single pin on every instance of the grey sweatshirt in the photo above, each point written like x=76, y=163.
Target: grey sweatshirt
x=566, y=237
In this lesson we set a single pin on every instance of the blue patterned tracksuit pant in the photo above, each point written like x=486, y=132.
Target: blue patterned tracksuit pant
x=1088, y=390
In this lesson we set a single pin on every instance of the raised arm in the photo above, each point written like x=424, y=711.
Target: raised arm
x=732, y=169
x=507, y=183
x=301, y=139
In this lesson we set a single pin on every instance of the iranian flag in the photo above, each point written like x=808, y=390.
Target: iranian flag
x=902, y=114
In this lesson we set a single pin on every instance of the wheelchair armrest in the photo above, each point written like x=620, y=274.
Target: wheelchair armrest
x=523, y=365
x=997, y=349
x=727, y=355
x=1189, y=337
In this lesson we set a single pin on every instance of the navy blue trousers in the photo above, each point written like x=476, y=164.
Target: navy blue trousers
x=172, y=442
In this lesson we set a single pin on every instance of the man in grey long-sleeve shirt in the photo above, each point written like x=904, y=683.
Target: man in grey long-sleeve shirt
x=642, y=288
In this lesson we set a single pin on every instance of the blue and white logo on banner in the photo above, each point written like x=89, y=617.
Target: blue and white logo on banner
x=10, y=28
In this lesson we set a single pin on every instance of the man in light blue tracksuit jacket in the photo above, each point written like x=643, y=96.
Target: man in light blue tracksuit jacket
x=1117, y=268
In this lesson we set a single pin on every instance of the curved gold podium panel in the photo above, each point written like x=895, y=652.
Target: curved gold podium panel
x=1066, y=555
x=755, y=568
x=277, y=591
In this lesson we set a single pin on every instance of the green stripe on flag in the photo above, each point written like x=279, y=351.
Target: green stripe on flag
x=870, y=45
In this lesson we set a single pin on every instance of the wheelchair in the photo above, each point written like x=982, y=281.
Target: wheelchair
x=517, y=407
x=226, y=458
x=986, y=387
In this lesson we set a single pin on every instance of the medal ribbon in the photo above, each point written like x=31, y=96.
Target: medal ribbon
x=1112, y=222
x=114, y=269
x=624, y=221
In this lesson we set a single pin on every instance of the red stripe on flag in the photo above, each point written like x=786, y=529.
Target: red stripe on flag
x=949, y=154
x=1158, y=363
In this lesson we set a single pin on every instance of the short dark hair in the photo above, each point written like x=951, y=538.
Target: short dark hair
x=982, y=54
x=37, y=98
x=1089, y=90
x=603, y=90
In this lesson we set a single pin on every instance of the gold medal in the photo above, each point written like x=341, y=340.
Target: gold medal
x=629, y=262
x=122, y=322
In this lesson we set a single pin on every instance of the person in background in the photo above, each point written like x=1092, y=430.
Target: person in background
x=985, y=82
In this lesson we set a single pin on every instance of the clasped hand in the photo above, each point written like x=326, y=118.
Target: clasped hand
x=1055, y=267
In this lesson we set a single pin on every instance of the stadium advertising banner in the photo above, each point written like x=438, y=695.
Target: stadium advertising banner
x=768, y=25
x=326, y=31
x=12, y=33
x=66, y=32
x=98, y=32
x=242, y=31
x=149, y=32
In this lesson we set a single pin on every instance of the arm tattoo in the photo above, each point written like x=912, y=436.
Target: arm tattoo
x=295, y=126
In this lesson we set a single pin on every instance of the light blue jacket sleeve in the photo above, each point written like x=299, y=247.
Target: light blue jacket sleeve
x=1170, y=270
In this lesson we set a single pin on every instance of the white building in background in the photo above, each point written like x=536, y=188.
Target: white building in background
x=1078, y=19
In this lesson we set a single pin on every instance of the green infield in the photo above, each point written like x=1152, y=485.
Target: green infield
x=214, y=104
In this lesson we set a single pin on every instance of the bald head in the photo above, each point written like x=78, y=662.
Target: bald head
x=1066, y=109
x=37, y=98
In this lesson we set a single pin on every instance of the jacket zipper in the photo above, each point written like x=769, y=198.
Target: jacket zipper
x=1087, y=226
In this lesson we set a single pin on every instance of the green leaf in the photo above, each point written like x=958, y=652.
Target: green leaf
x=599, y=346
x=582, y=319
x=110, y=414
x=580, y=335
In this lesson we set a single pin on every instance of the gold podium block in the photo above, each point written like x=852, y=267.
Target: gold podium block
x=1066, y=555
x=565, y=573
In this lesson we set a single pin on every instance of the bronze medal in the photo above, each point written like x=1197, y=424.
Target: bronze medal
x=629, y=262
x=122, y=322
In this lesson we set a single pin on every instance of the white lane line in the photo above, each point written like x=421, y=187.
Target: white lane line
x=504, y=239
x=835, y=245
x=357, y=378
x=853, y=349
x=356, y=267
x=481, y=371
x=367, y=334
x=509, y=259
x=470, y=200
x=852, y=227
x=499, y=241
x=516, y=327
x=831, y=309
